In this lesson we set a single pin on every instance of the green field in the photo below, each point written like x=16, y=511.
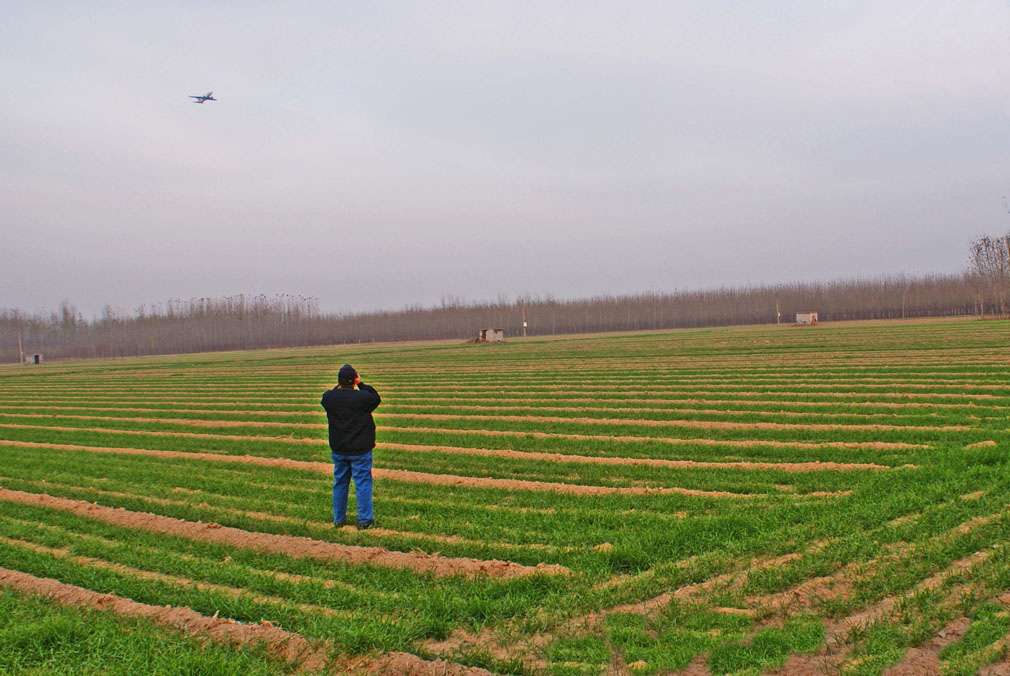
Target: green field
x=738, y=500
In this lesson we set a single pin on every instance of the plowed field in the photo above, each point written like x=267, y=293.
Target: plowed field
x=833, y=499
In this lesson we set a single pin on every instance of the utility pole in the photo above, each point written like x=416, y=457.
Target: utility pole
x=523, y=304
x=21, y=354
x=778, y=315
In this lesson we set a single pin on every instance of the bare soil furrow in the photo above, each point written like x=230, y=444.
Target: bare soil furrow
x=576, y=489
x=532, y=646
x=869, y=383
x=924, y=659
x=631, y=422
x=673, y=441
x=421, y=477
x=326, y=583
x=843, y=581
x=445, y=402
x=834, y=651
x=233, y=592
x=376, y=533
x=698, y=424
x=294, y=546
x=546, y=390
x=293, y=648
x=886, y=392
x=312, y=408
x=797, y=598
x=814, y=466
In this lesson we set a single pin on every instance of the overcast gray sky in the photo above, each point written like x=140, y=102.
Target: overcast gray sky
x=375, y=154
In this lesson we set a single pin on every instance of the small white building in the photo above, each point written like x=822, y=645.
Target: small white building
x=491, y=336
x=33, y=359
x=806, y=318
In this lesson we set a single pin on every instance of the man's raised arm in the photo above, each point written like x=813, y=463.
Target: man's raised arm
x=372, y=398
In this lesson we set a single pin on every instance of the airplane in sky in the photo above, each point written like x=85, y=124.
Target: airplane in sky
x=203, y=99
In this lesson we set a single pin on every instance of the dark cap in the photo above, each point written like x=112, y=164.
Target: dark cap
x=347, y=374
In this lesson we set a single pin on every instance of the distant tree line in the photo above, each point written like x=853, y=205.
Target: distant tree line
x=989, y=268
x=247, y=322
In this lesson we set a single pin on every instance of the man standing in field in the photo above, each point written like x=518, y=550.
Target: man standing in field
x=352, y=438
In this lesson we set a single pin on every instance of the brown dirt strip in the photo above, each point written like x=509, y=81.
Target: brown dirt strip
x=162, y=433
x=576, y=489
x=293, y=648
x=924, y=660
x=802, y=594
x=49, y=408
x=830, y=658
x=841, y=581
x=190, y=422
x=320, y=525
x=738, y=384
x=633, y=422
x=902, y=520
x=813, y=466
x=289, y=545
x=326, y=583
x=289, y=646
x=419, y=477
x=392, y=393
x=673, y=441
x=817, y=385
x=167, y=501
x=130, y=571
x=699, y=424
x=720, y=392
x=311, y=408
x=531, y=647
x=424, y=504
x=313, y=413
x=47, y=400
x=271, y=400
x=611, y=409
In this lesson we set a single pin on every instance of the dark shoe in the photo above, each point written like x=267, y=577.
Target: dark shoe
x=339, y=524
x=365, y=525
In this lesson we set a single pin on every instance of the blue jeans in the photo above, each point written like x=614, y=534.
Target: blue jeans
x=360, y=467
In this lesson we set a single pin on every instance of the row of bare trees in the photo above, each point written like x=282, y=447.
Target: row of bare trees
x=989, y=267
x=243, y=322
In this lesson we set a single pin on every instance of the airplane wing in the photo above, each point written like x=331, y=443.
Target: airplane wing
x=209, y=94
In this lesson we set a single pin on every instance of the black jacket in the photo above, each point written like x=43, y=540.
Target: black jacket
x=349, y=412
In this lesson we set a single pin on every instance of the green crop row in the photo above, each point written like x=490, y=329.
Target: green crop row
x=593, y=445
x=316, y=417
x=603, y=429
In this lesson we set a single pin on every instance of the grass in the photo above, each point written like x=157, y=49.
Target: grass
x=913, y=398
